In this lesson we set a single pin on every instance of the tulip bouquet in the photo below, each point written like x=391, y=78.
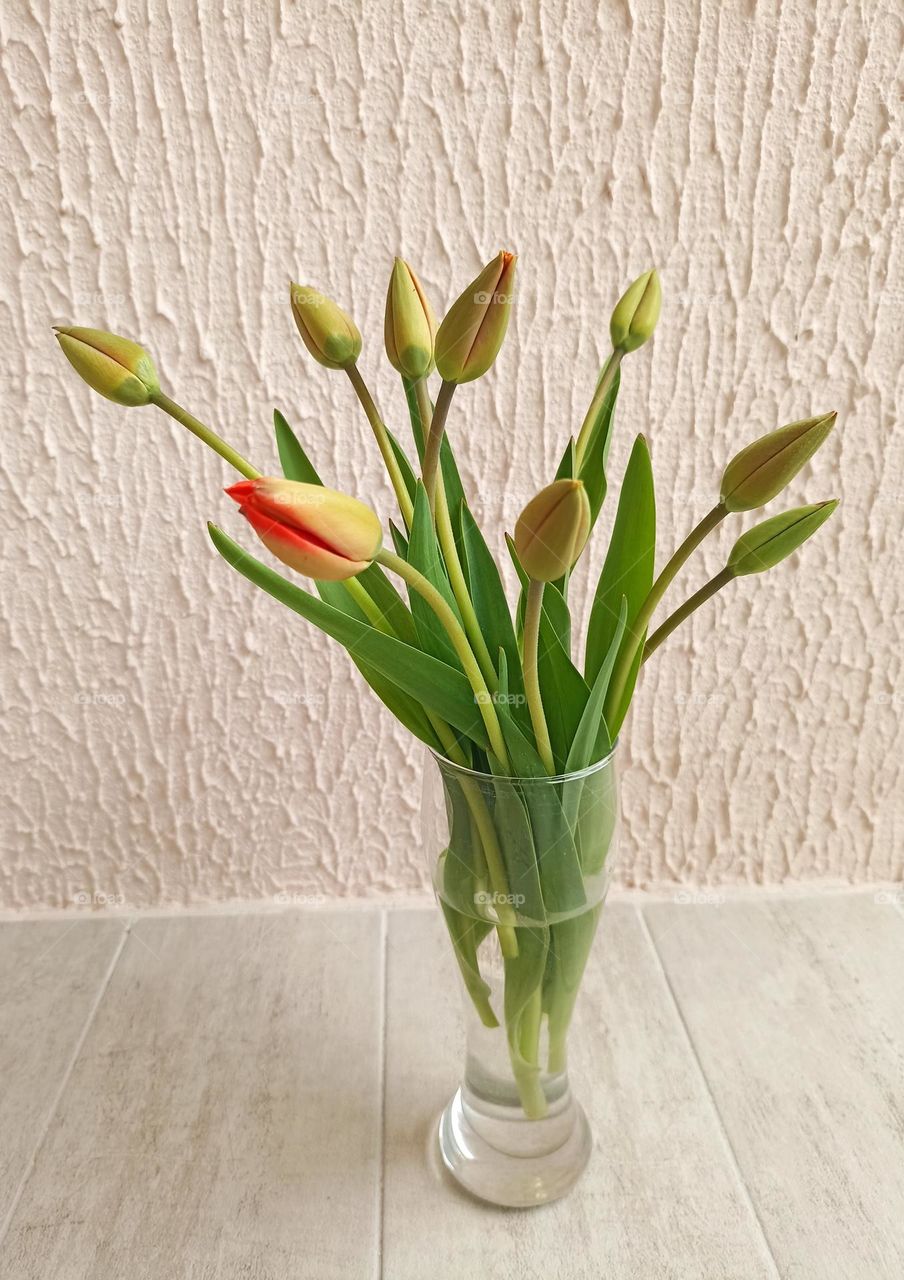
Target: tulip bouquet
x=497, y=694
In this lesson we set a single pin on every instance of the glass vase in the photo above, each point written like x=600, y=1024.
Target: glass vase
x=520, y=867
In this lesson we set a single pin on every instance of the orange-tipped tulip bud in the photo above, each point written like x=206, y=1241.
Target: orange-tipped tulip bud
x=766, y=544
x=117, y=368
x=759, y=472
x=315, y=531
x=552, y=530
x=410, y=327
x=470, y=336
x=636, y=313
x=329, y=334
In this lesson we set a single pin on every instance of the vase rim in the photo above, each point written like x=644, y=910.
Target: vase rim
x=445, y=763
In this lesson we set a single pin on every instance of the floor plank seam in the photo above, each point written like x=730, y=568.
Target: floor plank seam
x=64, y=1083
x=384, y=1043
x=723, y=1132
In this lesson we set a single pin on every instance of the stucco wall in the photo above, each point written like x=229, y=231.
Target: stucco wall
x=169, y=734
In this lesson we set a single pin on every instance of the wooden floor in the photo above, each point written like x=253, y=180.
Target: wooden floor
x=252, y=1097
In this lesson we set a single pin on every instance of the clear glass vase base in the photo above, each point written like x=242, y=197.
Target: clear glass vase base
x=509, y=1160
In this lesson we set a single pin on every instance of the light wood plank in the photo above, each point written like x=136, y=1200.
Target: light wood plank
x=50, y=977
x=661, y=1196
x=223, y=1118
x=796, y=1009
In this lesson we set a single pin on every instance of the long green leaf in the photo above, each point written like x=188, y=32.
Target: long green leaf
x=295, y=463
x=628, y=570
x=425, y=556
x=431, y=682
x=592, y=740
x=490, y=603
x=593, y=467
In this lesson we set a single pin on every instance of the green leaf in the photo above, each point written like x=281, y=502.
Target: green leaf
x=295, y=463
x=628, y=571
x=414, y=415
x=431, y=682
x=596, y=456
x=490, y=603
x=567, y=465
x=524, y=759
x=408, y=477
x=425, y=556
x=405, y=708
x=462, y=876
x=558, y=864
x=399, y=541
x=592, y=741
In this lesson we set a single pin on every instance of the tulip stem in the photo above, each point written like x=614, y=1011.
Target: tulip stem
x=453, y=628
x=385, y=444
x=634, y=636
x=446, y=539
x=694, y=602
x=610, y=368
x=210, y=438
x=533, y=607
x=430, y=468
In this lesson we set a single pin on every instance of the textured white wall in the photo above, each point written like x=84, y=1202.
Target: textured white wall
x=171, y=735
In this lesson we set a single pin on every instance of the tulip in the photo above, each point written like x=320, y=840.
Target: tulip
x=409, y=326
x=765, y=545
x=117, y=368
x=471, y=334
x=636, y=313
x=759, y=472
x=315, y=531
x=328, y=333
x=552, y=530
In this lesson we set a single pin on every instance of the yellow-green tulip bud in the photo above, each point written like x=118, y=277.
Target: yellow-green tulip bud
x=552, y=530
x=409, y=327
x=636, y=313
x=328, y=333
x=117, y=368
x=471, y=334
x=766, y=544
x=759, y=472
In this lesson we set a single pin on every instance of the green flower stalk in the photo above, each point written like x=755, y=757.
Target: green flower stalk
x=631, y=325
x=550, y=535
x=123, y=372
x=757, y=550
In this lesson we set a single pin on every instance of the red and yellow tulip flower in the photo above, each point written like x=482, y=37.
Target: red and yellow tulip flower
x=315, y=531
